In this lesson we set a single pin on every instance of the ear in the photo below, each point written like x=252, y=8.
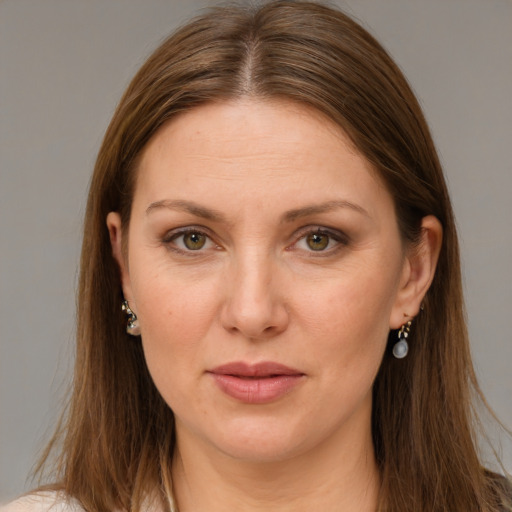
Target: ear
x=417, y=273
x=115, y=232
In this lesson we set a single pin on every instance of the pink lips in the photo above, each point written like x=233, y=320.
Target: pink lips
x=256, y=384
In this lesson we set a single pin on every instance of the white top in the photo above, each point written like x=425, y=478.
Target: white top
x=52, y=501
x=43, y=502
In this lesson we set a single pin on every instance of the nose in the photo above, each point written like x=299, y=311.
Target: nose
x=254, y=305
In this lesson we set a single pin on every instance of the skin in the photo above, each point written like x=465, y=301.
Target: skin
x=257, y=291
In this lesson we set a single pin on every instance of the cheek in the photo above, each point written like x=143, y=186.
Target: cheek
x=355, y=301
x=348, y=322
x=175, y=316
x=171, y=304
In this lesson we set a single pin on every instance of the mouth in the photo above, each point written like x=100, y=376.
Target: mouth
x=258, y=383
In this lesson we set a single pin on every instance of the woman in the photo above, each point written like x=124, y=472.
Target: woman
x=270, y=309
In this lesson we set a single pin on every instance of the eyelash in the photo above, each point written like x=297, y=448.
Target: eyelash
x=339, y=238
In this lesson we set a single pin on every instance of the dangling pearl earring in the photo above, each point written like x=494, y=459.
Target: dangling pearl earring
x=401, y=347
x=132, y=325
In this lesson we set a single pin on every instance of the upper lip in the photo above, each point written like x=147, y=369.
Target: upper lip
x=262, y=369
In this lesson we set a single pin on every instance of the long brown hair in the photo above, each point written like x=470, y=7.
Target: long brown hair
x=117, y=439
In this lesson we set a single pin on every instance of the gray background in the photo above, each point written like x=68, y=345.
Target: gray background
x=63, y=67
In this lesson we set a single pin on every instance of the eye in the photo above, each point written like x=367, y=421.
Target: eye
x=320, y=240
x=189, y=240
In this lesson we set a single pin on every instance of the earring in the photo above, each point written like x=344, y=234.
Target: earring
x=132, y=325
x=401, y=347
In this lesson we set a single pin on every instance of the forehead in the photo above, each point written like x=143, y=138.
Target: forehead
x=277, y=149
x=249, y=117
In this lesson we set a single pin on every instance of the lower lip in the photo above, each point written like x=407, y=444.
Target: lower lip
x=259, y=390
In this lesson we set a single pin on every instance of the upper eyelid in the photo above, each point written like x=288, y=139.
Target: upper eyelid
x=335, y=233
x=173, y=233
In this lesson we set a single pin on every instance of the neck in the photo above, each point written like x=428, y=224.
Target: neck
x=344, y=479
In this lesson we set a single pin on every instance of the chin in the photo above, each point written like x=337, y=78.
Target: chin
x=260, y=441
x=254, y=451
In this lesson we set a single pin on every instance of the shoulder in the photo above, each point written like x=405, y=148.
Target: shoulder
x=43, y=502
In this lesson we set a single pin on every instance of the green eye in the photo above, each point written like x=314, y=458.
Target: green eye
x=194, y=240
x=317, y=241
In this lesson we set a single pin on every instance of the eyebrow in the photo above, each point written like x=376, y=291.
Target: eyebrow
x=189, y=207
x=329, y=206
x=289, y=216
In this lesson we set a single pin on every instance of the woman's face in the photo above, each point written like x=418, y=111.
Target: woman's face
x=266, y=269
